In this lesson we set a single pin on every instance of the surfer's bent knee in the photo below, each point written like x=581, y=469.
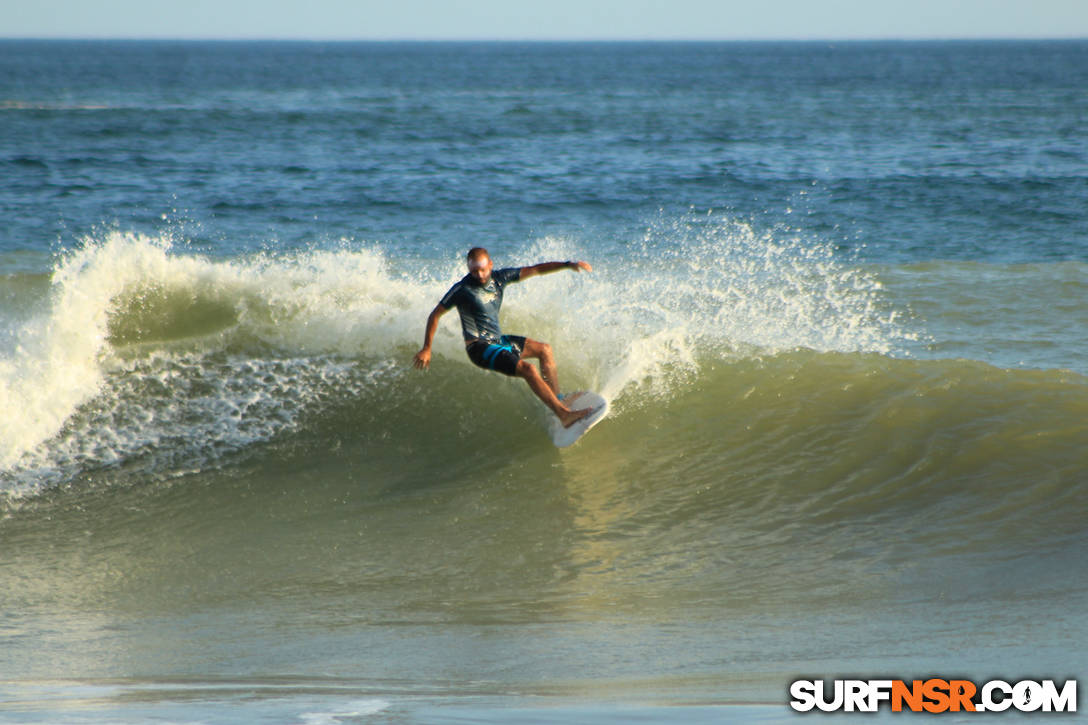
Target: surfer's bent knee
x=524, y=369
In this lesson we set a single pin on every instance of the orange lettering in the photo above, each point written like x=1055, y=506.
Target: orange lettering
x=937, y=692
x=961, y=693
x=911, y=695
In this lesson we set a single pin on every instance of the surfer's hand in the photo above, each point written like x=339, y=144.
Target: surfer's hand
x=579, y=266
x=422, y=360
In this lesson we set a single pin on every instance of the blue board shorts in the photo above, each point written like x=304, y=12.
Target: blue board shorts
x=501, y=356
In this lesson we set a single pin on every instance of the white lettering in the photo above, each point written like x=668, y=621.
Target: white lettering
x=855, y=695
x=989, y=703
x=803, y=693
x=994, y=696
x=1027, y=696
x=879, y=691
x=1064, y=701
x=836, y=702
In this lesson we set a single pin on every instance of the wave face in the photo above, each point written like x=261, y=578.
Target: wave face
x=779, y=428
x=137, y=352
x=744, y=370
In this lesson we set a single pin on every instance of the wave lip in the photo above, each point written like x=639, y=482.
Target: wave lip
x=140, y=346
x=703, y=287
x=126, y=314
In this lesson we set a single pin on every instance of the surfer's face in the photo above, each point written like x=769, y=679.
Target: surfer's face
x=480, y=269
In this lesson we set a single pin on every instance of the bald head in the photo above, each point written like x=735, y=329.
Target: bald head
x=477, y=255
x=479, y=264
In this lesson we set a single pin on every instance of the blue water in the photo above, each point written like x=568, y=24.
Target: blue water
x=838, y=305
x=914, y=151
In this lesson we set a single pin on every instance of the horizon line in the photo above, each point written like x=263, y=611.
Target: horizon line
x=588, y=39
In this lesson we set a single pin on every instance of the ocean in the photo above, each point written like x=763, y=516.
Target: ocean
x=838, y=304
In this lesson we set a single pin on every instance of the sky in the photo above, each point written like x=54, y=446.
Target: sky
x=544, y=19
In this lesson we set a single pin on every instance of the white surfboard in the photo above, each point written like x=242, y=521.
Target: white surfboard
x=563, y=437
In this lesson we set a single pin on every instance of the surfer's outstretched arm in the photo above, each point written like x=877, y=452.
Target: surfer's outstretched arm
x=549, y=267
x=422, y=360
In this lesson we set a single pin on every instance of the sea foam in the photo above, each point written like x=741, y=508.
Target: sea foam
x=147, y=350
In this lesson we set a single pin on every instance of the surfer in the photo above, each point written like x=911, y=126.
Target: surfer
x=478, y=297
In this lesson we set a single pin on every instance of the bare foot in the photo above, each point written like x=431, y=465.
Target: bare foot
x=571, y=417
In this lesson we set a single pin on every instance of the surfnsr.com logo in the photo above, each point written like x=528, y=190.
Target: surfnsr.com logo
x=933, y=695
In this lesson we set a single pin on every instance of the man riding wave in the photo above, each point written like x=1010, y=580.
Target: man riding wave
x=478, y=298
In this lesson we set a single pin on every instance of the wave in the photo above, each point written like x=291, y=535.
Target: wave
x=946, y=458
x=141, y=359
x=128, y=326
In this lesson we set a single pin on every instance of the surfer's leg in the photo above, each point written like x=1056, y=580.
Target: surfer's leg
x=543, y=352
x=543, y=391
